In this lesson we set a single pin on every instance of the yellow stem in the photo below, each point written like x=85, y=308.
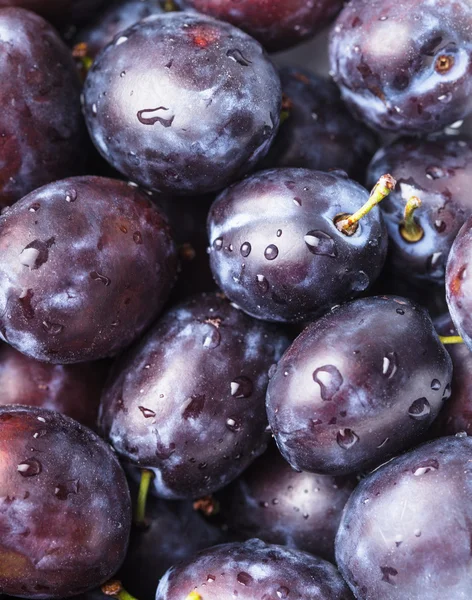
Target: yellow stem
x=451, y=339
x=385, y=185
x=410, y=230
x=146, y=478
x=115, y=589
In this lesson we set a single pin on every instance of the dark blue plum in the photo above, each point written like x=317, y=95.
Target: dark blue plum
x=404, y=65
x=275, y=248
x=183, y=103
x=252, y=570
x=439, y=173
x=407, y=528
x=358, y=386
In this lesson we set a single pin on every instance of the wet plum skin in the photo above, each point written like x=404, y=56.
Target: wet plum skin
x=341, y=402
x=174, y=532
x=391, y=543
x=73, y=390
x=276, y=252
x=319, y=128
x=43, y=136
x=277, y=24
x=199, y=422
x=252, y=570
x=404, y=66
x=439, y=173
x=115, y=18
x=196, y=103
x=88, y=263
x=65, y=506
x=272, y=502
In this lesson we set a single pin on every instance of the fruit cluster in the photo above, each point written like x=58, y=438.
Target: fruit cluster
x=235, y=301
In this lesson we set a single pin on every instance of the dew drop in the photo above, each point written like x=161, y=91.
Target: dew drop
x=238, y=57
x=245, y=249
x=320, y=243
x=94, y=109
x=244, y=578
x=232, y=424
x=346, y=438
x=282, y=592
x=262, y=284
x=212, y=338
x=361, y=282
x=434, y=172
x=147, y=412
x=52, y=328
x=64, y=490
x=447, y=392
x=427, y=467
x=148, y=116
x=218, y=244
x=271, y=252
x=400, y=311
x=101, y=278
x=241, y=387
x=390, y=364
x=279, y=233
x=417, y=532
x=29, y=468
x=435, y=384
x=35, y=254
x=137, y=238
x=388, y=573
x=121, y=40
x=329, y=379
x=420, y=409
x=71, y=195
x=34, y=207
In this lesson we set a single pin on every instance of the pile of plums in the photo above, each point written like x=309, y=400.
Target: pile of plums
x=236, y=300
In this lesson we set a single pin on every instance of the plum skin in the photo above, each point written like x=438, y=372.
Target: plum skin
x=183, y=103
x=406, y=530
x=277, y=24
x=439, y=172
x=65, y=506
x=43, y=136
x=275, y=249
x=73, y=390
x=341, y=401
x=87, y=264
x=274, y=503
x=187, y=401
x=404, y=65
x=252, y=570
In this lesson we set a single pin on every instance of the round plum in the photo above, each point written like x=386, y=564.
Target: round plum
x=319, y=128
x=272, y=502
x=277, y=24
x=187, y=402
x=58, y=12
x=65, y=511
x=358, y=386
x=43, y=136
x=183, y=103
x=439, y=172
x=252, y=570
x=406, y=529
x=73, y=390
x=276, y=250
x=404, y=65
x=87, y=264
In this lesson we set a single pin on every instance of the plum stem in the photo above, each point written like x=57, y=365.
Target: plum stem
x=410, y=230
x=169, y=6
x=194, y=596
x=348, y=224
x=451, y=339
x=115, y=588
x=80, y=51
x=140, y=514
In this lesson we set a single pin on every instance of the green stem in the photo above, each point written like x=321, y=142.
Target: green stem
x=451, y=339
x=194, y=596
x=348, y=224
x=410, y=230
x=140, y=514
x=115, y=589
